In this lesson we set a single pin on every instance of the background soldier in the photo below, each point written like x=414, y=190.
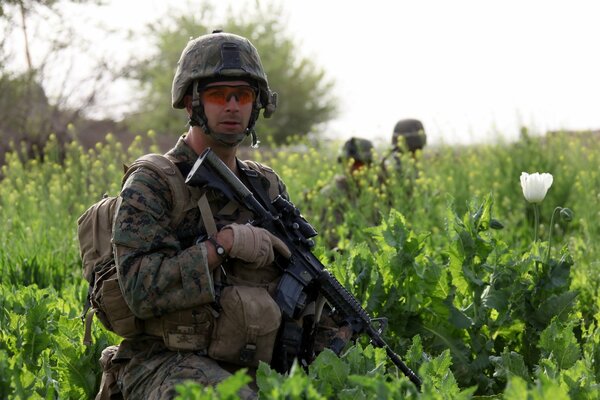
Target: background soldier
x=344, y=189
x=189, y=281
x=409, y=135
x=355, y=154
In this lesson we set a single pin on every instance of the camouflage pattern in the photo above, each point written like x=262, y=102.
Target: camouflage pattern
x=162, y=271
x=413, y=134
x=221, y=56
x=357, y=149
x=344, y=190
x=146, y=245
x=154, y=371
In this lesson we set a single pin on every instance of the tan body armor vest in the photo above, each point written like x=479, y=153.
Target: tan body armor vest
x=241, y=326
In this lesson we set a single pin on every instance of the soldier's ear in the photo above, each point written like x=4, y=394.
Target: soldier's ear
x=187, y=101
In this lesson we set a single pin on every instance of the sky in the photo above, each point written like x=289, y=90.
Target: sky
x=472, y=71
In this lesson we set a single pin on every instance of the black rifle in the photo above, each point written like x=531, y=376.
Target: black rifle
x=304, y=276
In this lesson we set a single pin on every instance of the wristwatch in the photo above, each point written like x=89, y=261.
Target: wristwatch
x=221, y=252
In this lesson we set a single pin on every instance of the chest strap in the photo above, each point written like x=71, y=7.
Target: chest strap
x=207, y=216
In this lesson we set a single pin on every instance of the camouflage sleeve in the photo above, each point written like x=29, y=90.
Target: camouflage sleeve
x=156, y=274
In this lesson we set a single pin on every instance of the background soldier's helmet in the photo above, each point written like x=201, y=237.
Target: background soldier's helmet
x=358, y=149
x=413, y=133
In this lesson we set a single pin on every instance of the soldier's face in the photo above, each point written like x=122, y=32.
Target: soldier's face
x=228, y=106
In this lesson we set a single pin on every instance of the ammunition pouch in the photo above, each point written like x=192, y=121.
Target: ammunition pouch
x=186, y=330
x=246, y=329
x=109, y=305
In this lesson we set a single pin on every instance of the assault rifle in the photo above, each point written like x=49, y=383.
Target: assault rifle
x=304, y=276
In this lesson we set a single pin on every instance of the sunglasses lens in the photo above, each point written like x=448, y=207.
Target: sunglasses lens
x=245, y=95
x=214, y=95
x=220, y=95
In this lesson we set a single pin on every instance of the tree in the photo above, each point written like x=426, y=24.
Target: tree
x=305, y=96
x=29, y=111
x=24, y=8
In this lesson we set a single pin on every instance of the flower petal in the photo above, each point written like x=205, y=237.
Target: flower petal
x=535, y=186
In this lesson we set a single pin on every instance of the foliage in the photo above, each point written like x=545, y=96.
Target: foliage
x=45, y=95
x=24, y=5
x=225, y=390
x=40, y=201
x=442, y=248
x=41, y=351
x=305, y=96
x=22, y=118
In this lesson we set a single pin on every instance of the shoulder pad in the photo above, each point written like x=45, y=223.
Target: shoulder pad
x=168, y=171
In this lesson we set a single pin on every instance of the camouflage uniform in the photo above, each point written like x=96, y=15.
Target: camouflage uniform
x=358, y=151
x=162, y=264
x=344, y=187
x=162, y=271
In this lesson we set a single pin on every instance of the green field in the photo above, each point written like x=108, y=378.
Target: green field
x=444, y=249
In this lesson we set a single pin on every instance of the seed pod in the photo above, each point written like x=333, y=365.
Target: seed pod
x=566, y=214
x=495, y=224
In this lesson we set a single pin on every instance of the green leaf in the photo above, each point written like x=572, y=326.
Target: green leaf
x=516, y=389
x=229, y=388
x=328, y=372
x=555, y=306
x=414, y=355
x=546, y=388
x=355, y=393
x=559, y=344
x=358, y=362
x=459, y=319
x=510, y=364
x=267, y=379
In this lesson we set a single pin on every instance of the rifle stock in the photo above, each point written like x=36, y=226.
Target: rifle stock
x=304, y=276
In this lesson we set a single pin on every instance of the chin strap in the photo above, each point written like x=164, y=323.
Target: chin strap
x=198, y=118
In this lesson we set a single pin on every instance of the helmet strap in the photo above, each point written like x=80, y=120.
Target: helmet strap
x=250, y=130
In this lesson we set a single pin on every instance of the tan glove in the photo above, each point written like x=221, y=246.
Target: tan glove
x=256, y=246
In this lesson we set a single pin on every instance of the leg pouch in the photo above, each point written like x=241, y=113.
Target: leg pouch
x=247, y=326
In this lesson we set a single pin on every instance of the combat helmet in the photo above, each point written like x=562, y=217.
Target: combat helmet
x=358, y=149
x=221, y=56
x=412, y=131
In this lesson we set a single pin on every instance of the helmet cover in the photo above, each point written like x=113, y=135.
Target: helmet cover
x=358, y=149
x=412, y=131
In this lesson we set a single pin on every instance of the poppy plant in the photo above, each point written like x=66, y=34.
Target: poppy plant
x=535, y=186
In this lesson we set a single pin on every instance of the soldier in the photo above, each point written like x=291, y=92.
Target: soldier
x=356, y=153
x=409, y=134
x=182, y=279
x=344, y=189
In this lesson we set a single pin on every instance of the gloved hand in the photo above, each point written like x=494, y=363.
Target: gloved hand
x=256, y=246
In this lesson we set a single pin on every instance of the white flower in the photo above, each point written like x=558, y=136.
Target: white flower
x=535, y=186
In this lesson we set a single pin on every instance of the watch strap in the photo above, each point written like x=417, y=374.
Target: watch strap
x=221, y=252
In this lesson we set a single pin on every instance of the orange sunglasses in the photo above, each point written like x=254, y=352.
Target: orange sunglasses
x=221, y=94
